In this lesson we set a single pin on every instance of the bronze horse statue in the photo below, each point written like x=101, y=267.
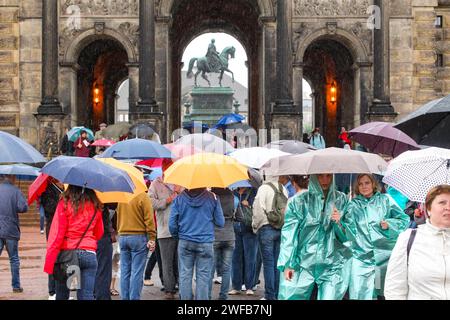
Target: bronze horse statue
x=203, y=66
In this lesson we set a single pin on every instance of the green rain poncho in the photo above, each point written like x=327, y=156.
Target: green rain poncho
x=371, y=245
x=312, y=245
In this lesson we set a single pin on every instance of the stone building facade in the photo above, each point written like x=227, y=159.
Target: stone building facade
x=55, y=55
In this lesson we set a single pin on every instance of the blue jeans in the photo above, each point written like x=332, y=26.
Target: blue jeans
x=133, y=254
x=12, y=247
x=244, y=257
x=223, y=256
x=41, y=217
x=88, y=270
x=104, y=270
x=198, y=255
x=269, y=241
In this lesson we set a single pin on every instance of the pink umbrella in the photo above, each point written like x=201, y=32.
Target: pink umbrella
x=182, y=150
x=382, y=137
x=103, y=143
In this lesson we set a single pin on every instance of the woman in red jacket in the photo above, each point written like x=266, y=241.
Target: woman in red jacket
x=74, y=212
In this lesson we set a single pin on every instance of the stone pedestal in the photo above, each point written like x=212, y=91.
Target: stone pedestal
x=156, y=119
x=381, y=111
x=209, y=104
x=289, y=126
x=50, y=133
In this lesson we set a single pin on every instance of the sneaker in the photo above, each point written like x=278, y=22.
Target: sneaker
x=18, y=290
x=169, y=296
x=52, y=297
x=243, y=288
x=42, y=231
x=218, y=280
x=249, y=292
x=149, y=283
x=234, y=292
x=255, y=288
x=263, y=298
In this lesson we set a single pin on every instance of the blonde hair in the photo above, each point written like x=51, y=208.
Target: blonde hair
x=375, y=185
x=433, y=193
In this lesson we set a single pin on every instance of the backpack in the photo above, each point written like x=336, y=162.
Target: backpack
x=276, y=215
x=244, y=214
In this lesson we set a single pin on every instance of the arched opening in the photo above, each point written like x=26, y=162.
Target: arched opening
x=102, y=68
x=328, y=65
x=237, y=18
x=122, y=102
x=308, y=107
x=196, y=50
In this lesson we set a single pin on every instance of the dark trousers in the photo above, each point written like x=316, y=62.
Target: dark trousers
x=155, y=257
x=169, y=258
x=51, y=280
x=104, y=269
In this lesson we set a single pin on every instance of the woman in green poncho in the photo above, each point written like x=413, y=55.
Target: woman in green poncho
x=372, y=222
x=312, y=250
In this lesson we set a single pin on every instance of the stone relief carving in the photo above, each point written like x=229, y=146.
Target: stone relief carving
x=131, y=31
x=65, y=38
x=102, y=7
x=362, y=33
x=307, y=8
x=300, y=33
x=49, y=140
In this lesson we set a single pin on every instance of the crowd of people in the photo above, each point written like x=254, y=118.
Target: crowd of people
x=310, y=240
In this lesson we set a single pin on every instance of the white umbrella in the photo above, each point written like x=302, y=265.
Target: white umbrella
x=330, y=160
x=414, y=173
x=206, y=142
x=256, y=157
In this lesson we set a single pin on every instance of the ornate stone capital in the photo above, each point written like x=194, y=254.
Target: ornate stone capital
x=99, y=27
x=332, y=27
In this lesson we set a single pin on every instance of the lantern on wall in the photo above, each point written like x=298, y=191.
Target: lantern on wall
x=96, y=95
x=333, y=92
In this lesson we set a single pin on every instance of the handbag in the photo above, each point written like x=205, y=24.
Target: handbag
x=68, y=259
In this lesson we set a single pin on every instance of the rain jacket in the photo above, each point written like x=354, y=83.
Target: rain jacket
x=371, y=245
x=192, y=218
x=12, y=202
x=314, y=246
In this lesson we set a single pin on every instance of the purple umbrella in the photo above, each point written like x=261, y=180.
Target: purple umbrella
x=382, y=137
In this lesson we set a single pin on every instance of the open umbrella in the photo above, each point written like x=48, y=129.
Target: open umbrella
x=256, y=157
x=330, y=160
x=103, y=143
x=75, y=133
x=196, y=127
x=229, y=119
x=19, y=169
x=89, y=173
x=37, y=187
x=136, y=149
x=255, y=181
x=136, y=176
x=142, y=131
x=180, y=151
x=206, y=142
x=205, y=170
x=414, y=173
x=116, y=131
x=430, y=124
x=291, y=146
x=15, y=150
x=382, y=137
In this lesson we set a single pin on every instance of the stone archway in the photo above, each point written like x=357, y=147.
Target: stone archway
x=235, y=17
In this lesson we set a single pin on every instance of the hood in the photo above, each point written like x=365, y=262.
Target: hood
x=314, y=186
x=195, y=200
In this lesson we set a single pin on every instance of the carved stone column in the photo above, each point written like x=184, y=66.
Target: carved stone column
x=297, y=90
x=381, y=108
x=50, y=103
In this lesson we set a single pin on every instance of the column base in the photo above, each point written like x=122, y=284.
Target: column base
x=382, y=111
x=50, y=133
x=147, y=106
x=156, y=119
x=50, y=106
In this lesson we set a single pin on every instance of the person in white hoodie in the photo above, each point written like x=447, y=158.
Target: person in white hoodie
x=419, y=267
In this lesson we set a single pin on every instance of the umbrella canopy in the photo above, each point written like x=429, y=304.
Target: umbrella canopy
x=330, y=160
x=430, y=124
x=136, y=149
x=181, y=151
x=37, y=187
x=206, y=142
x=256, y=157
x=89, y=173
x=229, y=119
x=414, y=173
x=19, y=169
x=123, y=197
x=116, y=131
x=382, y=137
x=75, y=133
x=103, y=143
x=255, y=181
x=205, y=170
x=291, y=146
x=142, y=131
x=15, y=150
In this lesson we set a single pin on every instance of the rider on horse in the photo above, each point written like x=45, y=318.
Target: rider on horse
x=213, y=57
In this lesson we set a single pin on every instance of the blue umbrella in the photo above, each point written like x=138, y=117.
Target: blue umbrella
x=19, y=169
x=229, y=119
x=240, y=184
x=156, y=173
x=137, y=149
x=89, y=173
x=15, y=150
x=75, y=133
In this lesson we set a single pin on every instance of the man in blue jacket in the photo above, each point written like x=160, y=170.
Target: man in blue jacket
x=192, y=219
x=12, y=202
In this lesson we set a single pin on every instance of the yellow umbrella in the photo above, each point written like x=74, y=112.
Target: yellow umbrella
x=123, y=197
x=204, y=170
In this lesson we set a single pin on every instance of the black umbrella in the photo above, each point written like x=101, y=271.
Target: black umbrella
x=142, y=131
x=430, y=124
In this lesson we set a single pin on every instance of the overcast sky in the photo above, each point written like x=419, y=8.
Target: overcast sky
x=199, y=46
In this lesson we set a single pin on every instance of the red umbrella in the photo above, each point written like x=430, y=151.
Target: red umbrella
x=152, y=163
x=37, y=187
x=103, y=143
